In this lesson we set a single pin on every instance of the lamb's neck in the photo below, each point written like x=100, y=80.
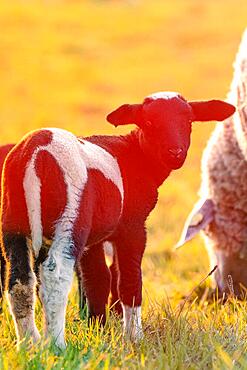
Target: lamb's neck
x=157, y=170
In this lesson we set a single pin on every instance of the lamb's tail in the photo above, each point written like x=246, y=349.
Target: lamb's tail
x=238, y=92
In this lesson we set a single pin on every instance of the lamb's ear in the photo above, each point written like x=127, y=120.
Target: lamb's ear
x=211, y=110
x=126, y=114
x=201, y=216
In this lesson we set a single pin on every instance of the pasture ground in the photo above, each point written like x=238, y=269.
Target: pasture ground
x=67, y=64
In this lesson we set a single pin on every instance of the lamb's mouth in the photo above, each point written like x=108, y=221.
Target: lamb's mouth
x=176, y=163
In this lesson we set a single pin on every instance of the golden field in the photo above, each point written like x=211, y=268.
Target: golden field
x=67, y=64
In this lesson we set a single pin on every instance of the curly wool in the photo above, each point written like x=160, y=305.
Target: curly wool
x=224, y=169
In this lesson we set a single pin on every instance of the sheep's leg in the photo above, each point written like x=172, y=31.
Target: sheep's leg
x=56, y=275
x=96, y=280
x=114, y=300
x=21, y=286
x=129, y=254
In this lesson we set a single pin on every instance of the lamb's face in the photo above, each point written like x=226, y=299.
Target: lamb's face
x=167, y=120
x=231, y=274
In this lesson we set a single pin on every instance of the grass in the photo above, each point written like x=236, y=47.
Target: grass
x=67, y=64
x=200, y=336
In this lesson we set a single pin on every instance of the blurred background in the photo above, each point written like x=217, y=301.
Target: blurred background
x=68, y=63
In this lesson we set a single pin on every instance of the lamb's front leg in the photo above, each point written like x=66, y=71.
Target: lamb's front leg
x=130, y=247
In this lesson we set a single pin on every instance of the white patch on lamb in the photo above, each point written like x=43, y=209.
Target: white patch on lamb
x=57, y=270
x=109, y=252
x=163, y=95
x=97, y=158
x=33, y=201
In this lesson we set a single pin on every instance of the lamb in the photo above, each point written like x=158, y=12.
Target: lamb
x=72, y=194
x=221, y=212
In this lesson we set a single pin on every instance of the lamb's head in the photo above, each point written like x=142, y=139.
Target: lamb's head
x=165, y=120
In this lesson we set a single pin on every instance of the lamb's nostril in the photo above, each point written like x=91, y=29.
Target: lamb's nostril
x=175, y=152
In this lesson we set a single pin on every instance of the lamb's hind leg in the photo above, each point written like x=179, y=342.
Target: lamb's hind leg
x=56, y=278
x=21, y=285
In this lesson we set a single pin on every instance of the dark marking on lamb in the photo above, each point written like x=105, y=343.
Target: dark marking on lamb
x=43, y=253
x=20, y=274
x=17, y=252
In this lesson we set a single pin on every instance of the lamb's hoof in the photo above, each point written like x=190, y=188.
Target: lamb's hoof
x=60, y=344
x=29, y=340
x=135, y=335
x=35, y=336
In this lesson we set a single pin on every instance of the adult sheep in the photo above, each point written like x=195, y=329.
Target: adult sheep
x=77, y=193
x=222, y=209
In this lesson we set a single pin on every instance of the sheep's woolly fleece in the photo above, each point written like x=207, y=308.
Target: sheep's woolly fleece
x=224, y=168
